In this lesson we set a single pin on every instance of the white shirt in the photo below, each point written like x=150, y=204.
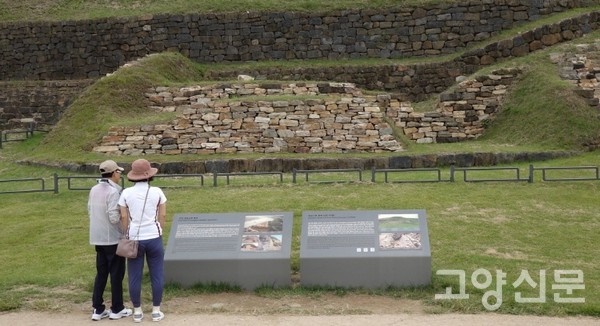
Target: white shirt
x=133, y=198
x=103, y=211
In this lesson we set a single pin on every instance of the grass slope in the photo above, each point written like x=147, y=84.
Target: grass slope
x=115, y=100
x=56, y=10
x=543, y=109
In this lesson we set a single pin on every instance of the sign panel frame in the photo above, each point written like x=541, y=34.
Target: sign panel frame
x=248, y=249
x=365, y=249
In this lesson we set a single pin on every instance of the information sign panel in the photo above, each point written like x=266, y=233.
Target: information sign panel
x=245, y=249
x=365, y=249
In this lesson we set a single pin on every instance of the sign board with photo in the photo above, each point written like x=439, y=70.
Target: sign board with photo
x=245, y=249
x=369, y=249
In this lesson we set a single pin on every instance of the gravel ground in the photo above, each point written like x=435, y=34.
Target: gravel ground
x=225, y=309
x=50, y=319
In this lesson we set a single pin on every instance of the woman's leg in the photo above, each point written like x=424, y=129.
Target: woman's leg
x=135, y=269
x=155, y=255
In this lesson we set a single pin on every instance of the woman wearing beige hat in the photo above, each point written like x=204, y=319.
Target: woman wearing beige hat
x=143, y=215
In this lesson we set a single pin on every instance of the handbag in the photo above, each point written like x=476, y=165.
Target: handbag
x=126, y=247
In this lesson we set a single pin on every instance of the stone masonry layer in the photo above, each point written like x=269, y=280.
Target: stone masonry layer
x=411, y=82
x=217, y=119
x=416, y=82
x=461, y=113
x=93, y=48
x=206, y=124
x=43, y=103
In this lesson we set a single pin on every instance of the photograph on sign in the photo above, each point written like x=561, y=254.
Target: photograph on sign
x=399, y=231
x=263, y=242
x=398, y=222
x=411, y=240
x=262, y=233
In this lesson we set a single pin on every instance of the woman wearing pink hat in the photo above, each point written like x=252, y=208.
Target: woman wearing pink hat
x=143, y=215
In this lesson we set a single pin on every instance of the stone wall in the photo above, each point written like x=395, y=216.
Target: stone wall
x=281, y=164
x=461, y=113
x=92, y=48
x=418, y=81
x=210, y=120
x=28, y=51
x=582, y=68
x=40, y=103
x=308, y=118
x=409, y=82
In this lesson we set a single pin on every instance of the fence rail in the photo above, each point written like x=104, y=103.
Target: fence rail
x=27, y=132
x=180, y=176
x=420, y=175
x=244, y=174
x=497, y=177
x=593, y=169
x=326, y=171
x=39, y=187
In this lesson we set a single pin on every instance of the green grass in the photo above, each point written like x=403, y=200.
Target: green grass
x=509, y=226
x=53, y=10
x=548, y=114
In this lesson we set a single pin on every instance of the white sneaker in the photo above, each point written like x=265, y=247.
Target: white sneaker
x=157, y=316
x=123, y=313
x=101, y=315
x=138, y=317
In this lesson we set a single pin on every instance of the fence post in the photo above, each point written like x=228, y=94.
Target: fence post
x=214, y=179
x=451, y=172
x=530, y=180
x=29, y=132
x=373, y=174
x=294, y=175
x=55, y=183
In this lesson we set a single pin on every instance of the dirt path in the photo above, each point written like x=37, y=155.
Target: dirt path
x=248, y=309
x=50, y=319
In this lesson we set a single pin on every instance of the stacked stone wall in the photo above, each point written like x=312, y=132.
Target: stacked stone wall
x=418, y=81
x=40, y=103
x=324, y=118
x=89, y=49
x=461, y=113
x=92, y=48
x=207, y=125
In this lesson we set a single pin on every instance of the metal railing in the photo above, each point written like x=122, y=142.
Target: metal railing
x=40, y=185
x=71, y=182
x=418, y=175
x=496, y=177
x=594, y=173
x=158, y=177
x=328, y=171
x=245, y=174
x=28, y=132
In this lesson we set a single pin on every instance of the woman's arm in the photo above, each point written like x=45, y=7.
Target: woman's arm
x=124, y=218
x=162, y=214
